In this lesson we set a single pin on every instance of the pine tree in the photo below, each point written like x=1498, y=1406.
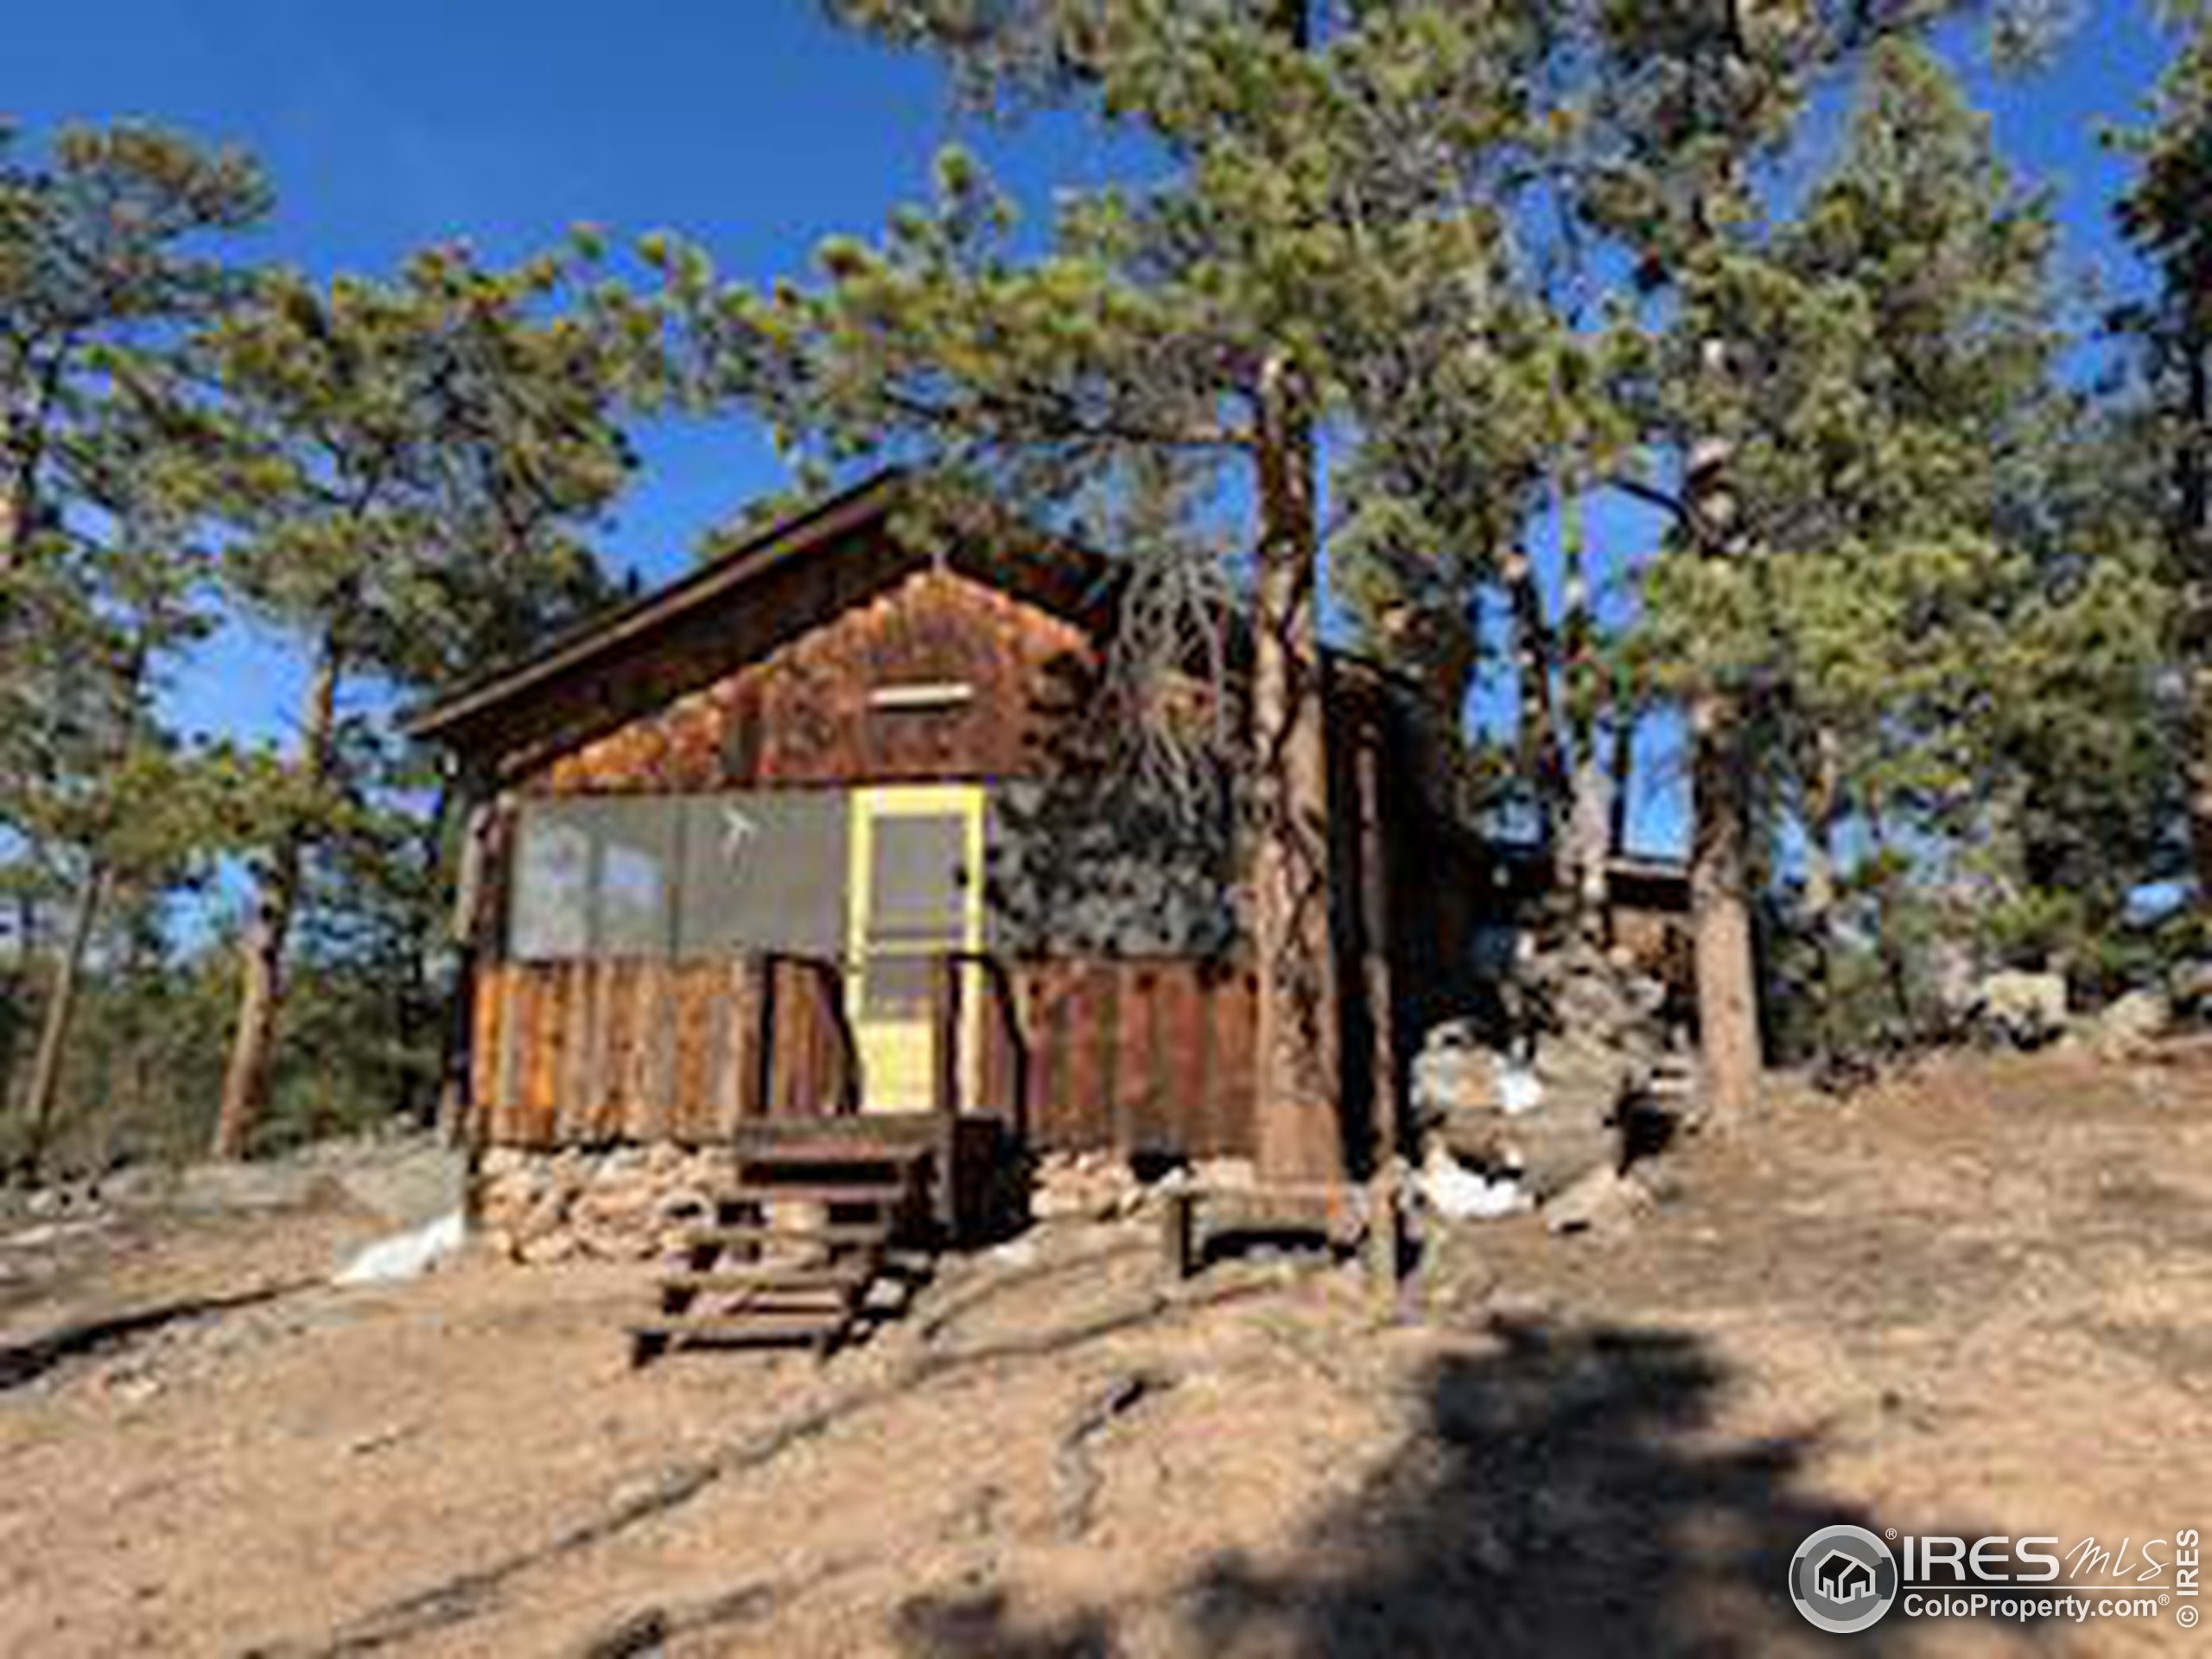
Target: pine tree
x=413, y=459
x=110, y=253
x=118, y=803
x=99, y=252
x=1913, y=410
x=2167, y=214
x=1209, y=319
x=1688, y=110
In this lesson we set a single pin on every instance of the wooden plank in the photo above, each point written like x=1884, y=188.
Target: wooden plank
x=661, y=1053
x=702, y=1113
x=1157, y=1126
x=506, y=1057
x=1048, y=1056
x=1103, y=1006
x=683, y=1054
x=585, y=1014
x=727, y=1034
x=538, y=1093
x=1204, y=1083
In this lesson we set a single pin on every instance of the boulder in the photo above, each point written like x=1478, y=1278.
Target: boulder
x=1591, y=1041
x=409, y=1183
x=547, y=1251
x=2130, y=1023
x=1603, y=1201
x=2192, y=988
x=1091, y=1185
x=2024, y=1009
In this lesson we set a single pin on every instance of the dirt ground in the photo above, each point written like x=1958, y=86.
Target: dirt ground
x=1977, y=1300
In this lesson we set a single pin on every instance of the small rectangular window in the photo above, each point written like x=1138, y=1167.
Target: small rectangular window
x=636, y=884
x=550, y=915
x=921, y=696
x=594, y=878
x=763, y=870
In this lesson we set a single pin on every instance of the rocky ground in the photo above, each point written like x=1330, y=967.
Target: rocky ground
x=1976, y=1300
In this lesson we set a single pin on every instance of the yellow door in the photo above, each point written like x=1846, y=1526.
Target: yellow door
x=915, y=889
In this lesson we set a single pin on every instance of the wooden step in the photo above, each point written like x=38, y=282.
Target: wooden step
x=884, y=1141
x=761, y=1232
x=770, y=1276
x=739, y=1329
x=802, y=1147
x=875, y=1193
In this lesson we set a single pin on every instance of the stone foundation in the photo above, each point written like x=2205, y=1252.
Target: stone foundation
x=619, y=1204
x=633, y=1203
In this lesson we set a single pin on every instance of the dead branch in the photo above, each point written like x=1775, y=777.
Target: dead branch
x=1073, y=1473
x=647, y=1632
x=959, y=1307
x=27, y=1361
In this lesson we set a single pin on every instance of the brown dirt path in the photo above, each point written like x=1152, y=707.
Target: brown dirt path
x=1979, y=1299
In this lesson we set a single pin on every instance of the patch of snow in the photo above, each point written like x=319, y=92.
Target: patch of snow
x=29, y=1238
x=1459, y=1193
x=403, y=1255
x=1519, y=1089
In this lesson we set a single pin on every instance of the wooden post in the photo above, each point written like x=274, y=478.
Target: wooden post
x=1179, y=1231
x=758, y=1098
x=1375, y=949
x=946, y=1057
x=1385, y=1215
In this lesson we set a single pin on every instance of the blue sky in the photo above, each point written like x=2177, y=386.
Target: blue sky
x=754, y=128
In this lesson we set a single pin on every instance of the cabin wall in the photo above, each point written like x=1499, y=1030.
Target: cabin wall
x=805, y=716
x=1127, y=1027
x=1147, y=1054
x=599, y=1053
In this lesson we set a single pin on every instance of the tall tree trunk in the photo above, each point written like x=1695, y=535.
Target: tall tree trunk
x=415, y=1008
x=1539, y=739
x=1300, y=1068
x=2192, y=551
x=44, y=1088
x=1299, y=1076
x=261, y=962
x=1620, y=780
x=1720, y=807
x=1720, y=912
x=11, y=514
x=1589, y=817
x=1823, y=809
x=15, y=996
x=22, y=454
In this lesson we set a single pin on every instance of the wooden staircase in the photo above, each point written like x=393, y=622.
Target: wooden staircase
x=793, y=1247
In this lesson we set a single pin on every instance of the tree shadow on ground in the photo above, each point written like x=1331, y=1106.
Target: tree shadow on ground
x=1563, y=1496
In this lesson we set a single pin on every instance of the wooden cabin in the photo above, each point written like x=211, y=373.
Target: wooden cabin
x=818, y=834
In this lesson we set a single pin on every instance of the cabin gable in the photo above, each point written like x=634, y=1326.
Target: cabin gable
x=938, y=676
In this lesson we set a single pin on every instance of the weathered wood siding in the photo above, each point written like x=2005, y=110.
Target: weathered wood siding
x=1149, y=1055
x=802, y=715
x=594, y=1053
x=1148, y=1052
x=1145, y=1055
